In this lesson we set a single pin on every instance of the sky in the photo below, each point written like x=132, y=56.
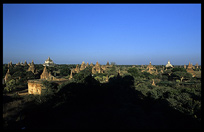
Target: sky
x=127, y=34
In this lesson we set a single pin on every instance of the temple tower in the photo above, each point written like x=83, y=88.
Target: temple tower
x=32, y=67
x=87, y=64
x=93, y=70
x=71, y=76
x=190, y=69
x=77, y=68
x=82, y=66
x=25, y=63
x=7, y=76
x=91, y=64
x=44, y=74
x=169, y=64
x=48, y=62
x=107, y=78
x=196, y=65
x=153, y=84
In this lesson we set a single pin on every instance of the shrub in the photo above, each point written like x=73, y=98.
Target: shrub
x=134, y=72
x=49, y=87
x=98, y=78
x=10, y=86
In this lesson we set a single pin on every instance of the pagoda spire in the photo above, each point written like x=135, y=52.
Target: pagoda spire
x=8, y=71
x=45, y=69
x=71, y=76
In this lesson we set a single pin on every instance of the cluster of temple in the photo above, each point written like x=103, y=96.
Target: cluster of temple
x=35, y=86
x=30, y=68
x=100, y=68
x=152, y=69
x=95, y=69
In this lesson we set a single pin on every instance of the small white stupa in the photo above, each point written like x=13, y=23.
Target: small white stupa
x=168, y=64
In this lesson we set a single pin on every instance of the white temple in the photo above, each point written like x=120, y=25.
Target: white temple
x=48, y=62
x=168, y=64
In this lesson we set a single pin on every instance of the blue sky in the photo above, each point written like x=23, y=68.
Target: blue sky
x=129, y=34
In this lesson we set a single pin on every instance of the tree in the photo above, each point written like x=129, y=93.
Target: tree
x=182, y=75
x=148, y=75
x=10, y=85
x=98, y=78
x=30, y=75
x=49, y=87
x=167, y=73
x=19, y=73
x=5, y=69
x=83, y=74
x=64, y=70
x=112, y=71
x=134, y=72
x=113, y=63
x=178, y=69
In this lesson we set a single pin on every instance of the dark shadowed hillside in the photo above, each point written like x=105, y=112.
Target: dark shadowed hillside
x=112, y=105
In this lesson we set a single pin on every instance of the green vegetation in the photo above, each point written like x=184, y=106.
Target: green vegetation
x=185, y=96
x=127, y=101
x=10, y=86
x=19, y=76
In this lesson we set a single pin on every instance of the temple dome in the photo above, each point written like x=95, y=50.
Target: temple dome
x=48, y=62
x=169, y=64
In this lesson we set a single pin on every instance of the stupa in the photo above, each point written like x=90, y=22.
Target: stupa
x=32, y=67
x=44, y=74
x=48, y=62
x=169, y=64
x=190, y=69
x=82, y=66
x=7, y=76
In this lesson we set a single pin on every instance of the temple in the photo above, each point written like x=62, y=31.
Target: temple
x=83, y=66
x=71, y=76
x=196, y=65
x=107, y=78
x=36, y=86
x=153, y=84
x=76, y=70
x=48, y=62
x=7, y=76
x=10, y=64
x=190, y=69
x=44, y=74
x=97, y=68
x=17, y=64
x=25, y=63
x=87, y=64
x=169, y=64
x=91, y=64
x=32, y=67
x=151, y=69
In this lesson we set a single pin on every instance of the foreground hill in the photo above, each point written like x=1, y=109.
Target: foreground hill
x=91, y=105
